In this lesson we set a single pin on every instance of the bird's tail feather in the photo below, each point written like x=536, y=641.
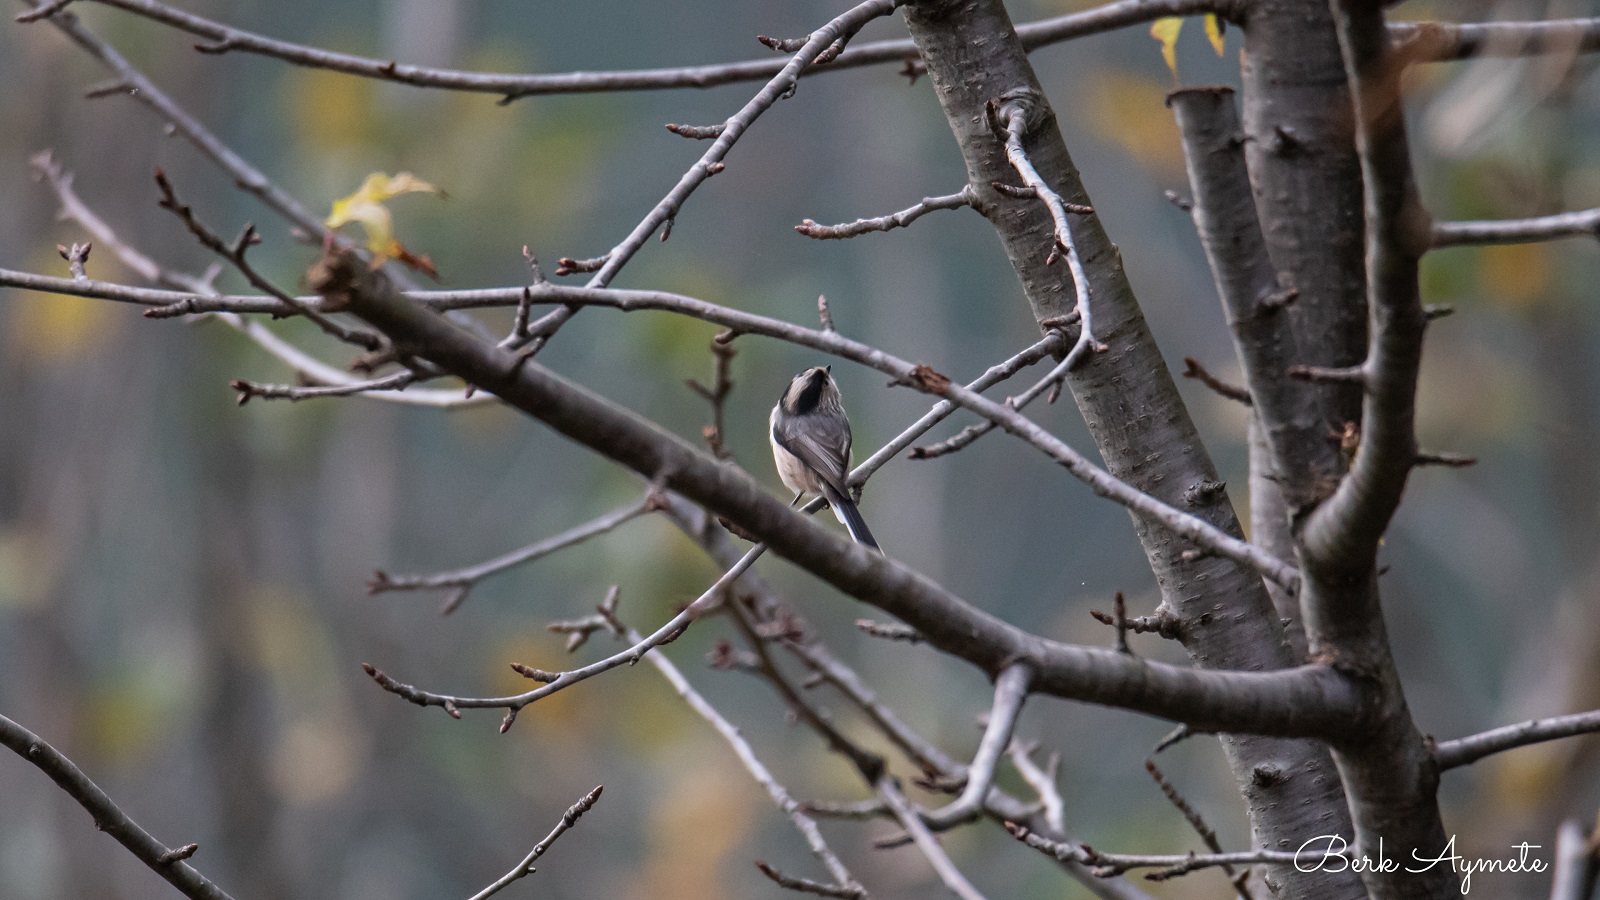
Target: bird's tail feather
x=847, y=512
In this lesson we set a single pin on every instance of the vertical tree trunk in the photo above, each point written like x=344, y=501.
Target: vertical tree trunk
x=1138, y=420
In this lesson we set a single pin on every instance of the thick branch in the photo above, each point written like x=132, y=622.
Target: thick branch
x=1300, y=701
x=108, y=817
x=1342, y=534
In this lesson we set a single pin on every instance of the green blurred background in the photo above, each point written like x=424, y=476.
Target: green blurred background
x=181, y=579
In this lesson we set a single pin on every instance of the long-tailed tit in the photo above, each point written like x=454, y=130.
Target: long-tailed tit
x=811, y=444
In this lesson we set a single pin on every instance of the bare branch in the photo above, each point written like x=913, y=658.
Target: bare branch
x=1445, y=41
x=1171, y=865
x=1010, y=691
x=296, y=392
x=1330, y=374
x=1101, y=482
x=717, y=544
x=223, y=38
x=568, y=819
x=961, y=198
x=889, y=793
x=1207, y=835
x=666, y=634
x=756, y=627
x=1193, y=369
x=1449, y=460
x=234, y=253
x=468, y=577
x=780, y=86
x=1042, y=780
x=807, y=827
x=165, y=861
x=807, y=886
x=1468, y=750
x=310, y=369
x=1051, y=382
x=1282, y=701
x=717, y=395
x=1585, y=223
x=1013, y=118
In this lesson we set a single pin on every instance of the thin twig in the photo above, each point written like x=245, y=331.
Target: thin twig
x=807, y=886
x=901, y=219
x=1107, y=865
x=752, y=764
x=781, y=86
x=1193, y=369
x=312, y=370
x=1051, y=382
x=889, y=793
x=1013, y=115
x=1585, y=223
x=468, y=577
x=717, y=395
x=235, y=252
x=249, y=390
x=568, y=819
x=890, y=631
x=1042, y=780
x=666, y=634
x=1467, y=750
x=1207, y=834
x=225, y=38
x=1445, y=41
x=165, y=861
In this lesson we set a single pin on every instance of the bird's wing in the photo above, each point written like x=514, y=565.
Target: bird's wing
x=826, y=459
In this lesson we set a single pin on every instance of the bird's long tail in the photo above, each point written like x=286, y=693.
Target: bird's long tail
x=846, y=510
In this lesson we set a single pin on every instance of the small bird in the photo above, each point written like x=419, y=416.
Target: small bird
x=811, y=445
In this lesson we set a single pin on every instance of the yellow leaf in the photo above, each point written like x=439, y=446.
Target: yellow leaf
x=1214, y=31
x=1166, y=31
x=366, y=207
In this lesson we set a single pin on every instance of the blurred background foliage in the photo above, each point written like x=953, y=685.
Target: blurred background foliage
x=181, y=579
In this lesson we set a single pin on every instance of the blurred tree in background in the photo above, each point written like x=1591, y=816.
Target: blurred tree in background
x=183, y=600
